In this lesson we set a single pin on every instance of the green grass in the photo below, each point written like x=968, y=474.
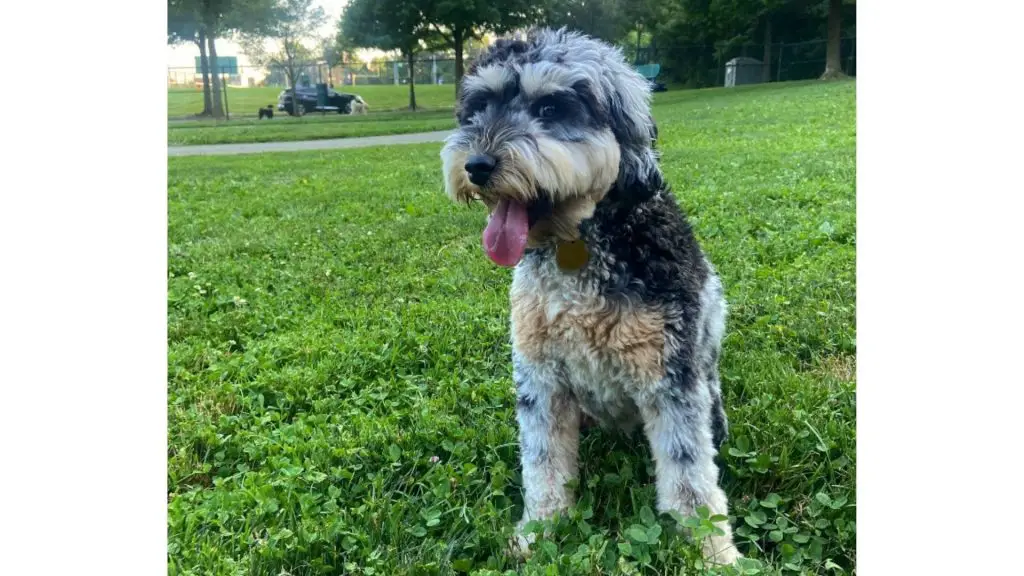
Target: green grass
x=311, y=127
x=334, y=325
x=320, y=126
x=183, y=102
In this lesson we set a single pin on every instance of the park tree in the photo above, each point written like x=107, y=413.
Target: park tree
x=215, y=16
x=643, y=18
x=457, y=21
x=184, y=25
x=782, y=21
x=764, y=17
x=760, y=21
x=291, y=25
x=833, y=61
x=212, y=14
x=695, y=36
x=686, y=35
x=332, y=55
x=389, y=25
x=202, y=22
x=604, y=19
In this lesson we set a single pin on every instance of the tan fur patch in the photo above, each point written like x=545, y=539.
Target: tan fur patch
x=456, y=181
x=627, y=336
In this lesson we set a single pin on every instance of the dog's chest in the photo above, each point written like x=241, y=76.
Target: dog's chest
x=608, y=350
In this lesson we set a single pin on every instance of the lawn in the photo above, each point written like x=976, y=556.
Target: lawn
x=183, y=102
x=340, y=396
x=320, y=126
x=310, y=127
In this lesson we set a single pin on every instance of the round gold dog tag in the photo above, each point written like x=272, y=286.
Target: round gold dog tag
x=572, y=256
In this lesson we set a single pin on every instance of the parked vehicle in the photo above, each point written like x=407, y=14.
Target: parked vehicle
x=307, y=99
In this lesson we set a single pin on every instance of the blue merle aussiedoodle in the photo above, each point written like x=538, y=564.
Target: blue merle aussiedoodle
x=616, y=314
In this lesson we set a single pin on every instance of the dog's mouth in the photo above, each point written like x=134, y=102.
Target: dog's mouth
x=508, y=229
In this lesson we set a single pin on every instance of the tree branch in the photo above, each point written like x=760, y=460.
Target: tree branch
x=447, y=38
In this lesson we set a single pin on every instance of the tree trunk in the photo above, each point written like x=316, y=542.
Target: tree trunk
x=458, y=35
x=412, y=81
x=297, y=109
x=766, y=64
x=218, y=103
x=833, y=63
x=204, y=67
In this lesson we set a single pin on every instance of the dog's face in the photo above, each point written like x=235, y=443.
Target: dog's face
x=546, y=128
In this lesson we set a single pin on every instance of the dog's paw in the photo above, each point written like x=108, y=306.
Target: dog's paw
x=520, y=542
x=519, y=545
x=721, y=552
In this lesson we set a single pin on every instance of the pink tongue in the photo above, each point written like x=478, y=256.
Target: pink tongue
x=505, y=235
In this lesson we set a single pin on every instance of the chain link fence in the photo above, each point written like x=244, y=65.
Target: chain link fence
x=688, y=66
x=697, y=65
x=702, y=65
x=428, y=69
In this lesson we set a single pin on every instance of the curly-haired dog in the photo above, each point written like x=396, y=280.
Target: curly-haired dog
x=267, y=112
x=616, y=313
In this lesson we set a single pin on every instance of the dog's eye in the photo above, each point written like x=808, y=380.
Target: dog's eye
x=471, y=106
x=548, y=108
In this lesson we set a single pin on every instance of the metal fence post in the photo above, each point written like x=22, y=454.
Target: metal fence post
x=224, y=89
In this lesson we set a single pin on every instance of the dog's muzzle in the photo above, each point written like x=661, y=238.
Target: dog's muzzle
x=480, y=167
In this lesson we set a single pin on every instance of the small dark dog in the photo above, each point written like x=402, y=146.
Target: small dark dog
x=267, y=112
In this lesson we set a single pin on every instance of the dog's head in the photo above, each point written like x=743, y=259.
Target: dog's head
x=547, y=127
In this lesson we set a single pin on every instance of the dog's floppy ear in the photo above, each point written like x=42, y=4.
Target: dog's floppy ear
x=629, y=105
x=636, y=133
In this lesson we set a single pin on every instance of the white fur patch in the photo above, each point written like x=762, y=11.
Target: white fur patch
x=542, y=78
x=488, y=79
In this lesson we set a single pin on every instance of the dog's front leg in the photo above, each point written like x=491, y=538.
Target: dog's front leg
x=549, y=428
x=677, y=421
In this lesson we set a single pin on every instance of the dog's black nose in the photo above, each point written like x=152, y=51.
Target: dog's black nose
x=479, y=168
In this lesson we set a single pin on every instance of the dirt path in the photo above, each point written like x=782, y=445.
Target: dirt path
x=259, y=147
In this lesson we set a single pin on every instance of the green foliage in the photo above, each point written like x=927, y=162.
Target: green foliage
x=182, y=21
x=386, y=25
x=456, y=21
x=693, y=38
x=604, y=19
x=292, y=23
x=340, y=397
x=390, y=25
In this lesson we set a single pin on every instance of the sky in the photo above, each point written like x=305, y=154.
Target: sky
x=185, y=55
